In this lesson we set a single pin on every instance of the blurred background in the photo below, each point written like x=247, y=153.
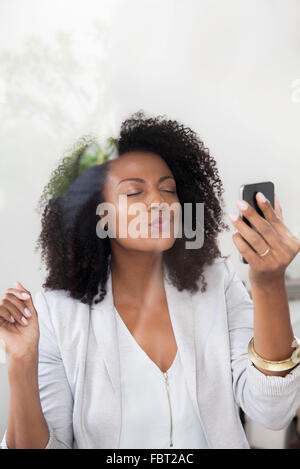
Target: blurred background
x=229, y=70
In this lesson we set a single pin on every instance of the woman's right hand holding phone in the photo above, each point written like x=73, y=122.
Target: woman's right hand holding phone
x=19, y=326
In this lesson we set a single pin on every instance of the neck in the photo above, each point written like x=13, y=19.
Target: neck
x=137, y=276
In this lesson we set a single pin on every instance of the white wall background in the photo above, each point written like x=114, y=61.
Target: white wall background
x=230, y=70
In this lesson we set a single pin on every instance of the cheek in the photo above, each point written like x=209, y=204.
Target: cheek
x=123, y=219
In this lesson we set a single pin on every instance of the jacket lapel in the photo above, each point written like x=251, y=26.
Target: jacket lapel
x=182, y=317
x=106, y=335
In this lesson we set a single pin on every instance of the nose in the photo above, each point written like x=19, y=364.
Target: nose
x=156, y=202
x=158, y=206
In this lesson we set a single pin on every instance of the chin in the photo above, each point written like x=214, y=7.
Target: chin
x=147, y=244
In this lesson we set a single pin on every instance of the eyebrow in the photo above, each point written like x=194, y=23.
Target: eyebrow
x=143, y=180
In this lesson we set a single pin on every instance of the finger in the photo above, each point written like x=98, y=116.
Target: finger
x=262, y=225
x=14, y=312
x=247, y=252
x=2, y=322
x=19, y=293
x=271, y=215
x=287, y=240
x=277, y=207
x=6, y=315
x=15, y=296
x=18, y=303
x=249, y=234
x=26, y=297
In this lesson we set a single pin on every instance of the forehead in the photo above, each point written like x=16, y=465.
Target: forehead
x=146, y=165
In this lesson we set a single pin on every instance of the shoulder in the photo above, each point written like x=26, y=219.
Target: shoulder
x=222, y=281
x=220, y=271
x=46, y=298
x=222, y=276
x=62, y=319
x=57, y=306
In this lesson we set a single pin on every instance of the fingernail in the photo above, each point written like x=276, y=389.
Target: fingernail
x=25, y=295
x=261, y=197
x=242, y=205
x=233, y=216
x=12, y=319
x=27, y=313
x=24, y=320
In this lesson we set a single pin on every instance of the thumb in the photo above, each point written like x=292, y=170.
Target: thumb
x=277, y=207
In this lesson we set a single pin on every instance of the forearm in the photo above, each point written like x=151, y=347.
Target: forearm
x=273, y=333
x=26, y=427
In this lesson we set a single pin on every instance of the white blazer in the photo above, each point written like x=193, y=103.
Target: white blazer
x=79, y=368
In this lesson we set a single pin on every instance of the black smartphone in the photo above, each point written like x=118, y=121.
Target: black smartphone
x=248, y=193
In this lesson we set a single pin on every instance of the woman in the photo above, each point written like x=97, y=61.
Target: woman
x=137, y=341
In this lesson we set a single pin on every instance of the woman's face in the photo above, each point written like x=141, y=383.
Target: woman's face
x=146, y=183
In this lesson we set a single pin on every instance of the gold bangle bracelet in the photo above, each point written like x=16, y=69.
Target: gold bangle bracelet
x=268, y=365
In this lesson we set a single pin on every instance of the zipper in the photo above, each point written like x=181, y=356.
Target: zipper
x=171, y=420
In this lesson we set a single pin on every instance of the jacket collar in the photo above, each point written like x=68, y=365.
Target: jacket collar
x=182, y=318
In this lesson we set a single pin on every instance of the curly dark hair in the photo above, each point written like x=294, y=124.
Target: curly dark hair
x=77, y=260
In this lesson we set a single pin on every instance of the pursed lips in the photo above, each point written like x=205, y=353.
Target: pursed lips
x=161, y=220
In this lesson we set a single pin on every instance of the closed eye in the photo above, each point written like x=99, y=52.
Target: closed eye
x=164, y=190
x=136, y=193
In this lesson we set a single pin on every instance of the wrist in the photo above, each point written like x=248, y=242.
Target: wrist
x=23, y=364
x=267, y=284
